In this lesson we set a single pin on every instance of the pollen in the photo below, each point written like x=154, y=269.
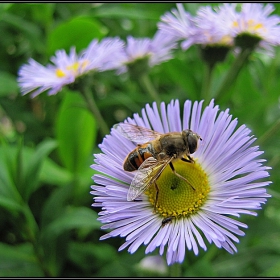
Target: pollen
x=176, y=197
x=253, y=26
x=84, y=64
x=74, y=67
x=235, y=24
x=59, y=73
x=226, y=40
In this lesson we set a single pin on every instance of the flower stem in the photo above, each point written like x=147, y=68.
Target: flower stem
x=269, y=133
x=147, y=84
x=233, y=72
x=175, y=270
x=206, y=86
x=31, y=230
x=92, y=106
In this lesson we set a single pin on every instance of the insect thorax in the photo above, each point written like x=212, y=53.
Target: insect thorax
x=173, y=144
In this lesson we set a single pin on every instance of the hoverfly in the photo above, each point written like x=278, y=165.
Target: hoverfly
x=154, y=152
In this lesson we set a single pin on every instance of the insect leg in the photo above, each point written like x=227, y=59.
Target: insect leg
x=157, y=189
x=190, y=160
x=180, y=176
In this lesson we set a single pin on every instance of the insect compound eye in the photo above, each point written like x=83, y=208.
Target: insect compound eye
x=192, y=142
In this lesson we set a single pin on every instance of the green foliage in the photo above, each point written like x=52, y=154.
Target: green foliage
x=9, y=84
x=91, y=29
x=18, y=261
x=47, y=225
x=75, y=132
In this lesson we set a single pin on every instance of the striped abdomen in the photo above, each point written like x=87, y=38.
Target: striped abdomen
x=138, y=156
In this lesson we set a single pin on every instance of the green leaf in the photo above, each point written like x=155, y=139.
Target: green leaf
x=57, y=226
x=52, y=173
x=18, y=261
x=78, y=32
x=4, y=7
x=74, y=218
x=19, y=172
x=31, y=176
x=202, y=268
x=76, y=132
x=21, y=24
x=84, y=181
x=55, y=204
x=82, y=254
x=129, y=11
x=177, y=73
x=55, y=236
x=9, y=195
x=273, y=267
x=55, y=252
x=42, y=12
x=10, y=204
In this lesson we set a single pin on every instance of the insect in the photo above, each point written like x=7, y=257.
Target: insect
x=154, y=152
x=166, y=220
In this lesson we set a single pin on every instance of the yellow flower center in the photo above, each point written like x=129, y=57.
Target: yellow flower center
x=176, y=197
x=84, y=64
x=226, y=40
x=75, y=68
x=59, y=73
x=249, y=25
x=235, y=24
x=254, y=26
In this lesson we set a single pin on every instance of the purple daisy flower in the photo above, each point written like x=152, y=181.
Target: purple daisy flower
x=208, y=27
x=256, y=20
x=104, y=55
x=155, y=50
x=213, y=25
x=179, y=24
x=36, y=78
x=227, y=175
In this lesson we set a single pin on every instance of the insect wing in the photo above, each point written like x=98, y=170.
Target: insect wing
x=146, y=175
x=135, y=133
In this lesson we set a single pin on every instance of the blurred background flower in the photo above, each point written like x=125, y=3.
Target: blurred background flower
x=99, y=56
x=140, y=54
x=36, y=78
x=153, y=265
x=255, y=21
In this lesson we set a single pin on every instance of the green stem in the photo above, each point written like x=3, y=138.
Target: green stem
x=269, y=133
x=233, y=72
x=206, y=86
x=211, y=254
x=147, y=84
x=92, y=106
x=175, y=270
x=32, y=230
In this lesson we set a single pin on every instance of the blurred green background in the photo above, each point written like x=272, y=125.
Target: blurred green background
x=47, y=224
